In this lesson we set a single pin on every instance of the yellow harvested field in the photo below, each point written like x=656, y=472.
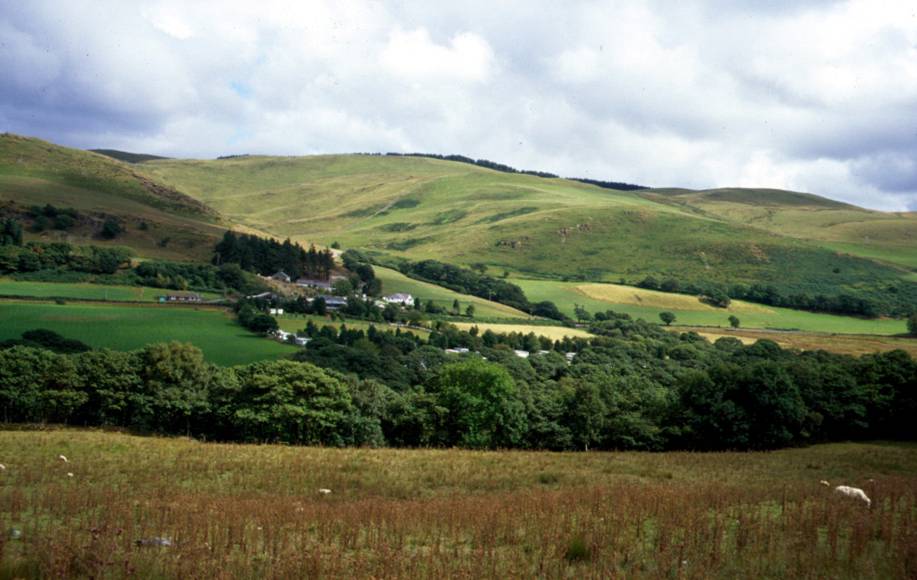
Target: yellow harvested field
x=552, y=332
x=851, y=344
x=617, y=294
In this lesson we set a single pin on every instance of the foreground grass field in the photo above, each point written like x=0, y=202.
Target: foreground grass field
x=130, y=327
x=74, y=291
x=235, y=511
x=647, y=304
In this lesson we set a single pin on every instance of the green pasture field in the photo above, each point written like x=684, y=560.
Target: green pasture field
x=566, y=295
x=246, y=511
x=80, y=291
x=131, y=327
x=394, y=281
x=297, y=322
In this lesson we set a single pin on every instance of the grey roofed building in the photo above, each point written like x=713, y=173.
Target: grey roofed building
x=281, y=276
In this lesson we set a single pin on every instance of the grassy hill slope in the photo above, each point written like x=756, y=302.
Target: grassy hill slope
x=886, y=236
x=426, y=208
x=159, y=221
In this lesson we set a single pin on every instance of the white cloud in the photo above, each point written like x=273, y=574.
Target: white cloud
x=415, y=56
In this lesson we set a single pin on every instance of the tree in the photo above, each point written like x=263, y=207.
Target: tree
x=456, y=307
x=667, y=317
x=111, y=229
x=734, y=321
x=292, y=402
x=10, y=233
x=176, y=381
x=469, y=311
x=581, y=313
x=548, y=309
x=484, y=410
x=912, y=324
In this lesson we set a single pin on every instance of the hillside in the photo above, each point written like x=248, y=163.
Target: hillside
x=158, y=221
x=885, y=236
x=418, y=208
x=127, y=156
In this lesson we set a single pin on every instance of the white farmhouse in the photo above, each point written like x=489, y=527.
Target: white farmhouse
x=399, y=298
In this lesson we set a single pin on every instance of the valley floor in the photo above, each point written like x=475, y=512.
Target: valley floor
x=155, y=507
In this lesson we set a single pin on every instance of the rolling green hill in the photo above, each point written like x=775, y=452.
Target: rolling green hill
x=158, y=220
x=127, y=156
x=421, y=208
x=885, y=236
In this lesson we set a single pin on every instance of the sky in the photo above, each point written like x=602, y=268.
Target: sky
x=815, y=96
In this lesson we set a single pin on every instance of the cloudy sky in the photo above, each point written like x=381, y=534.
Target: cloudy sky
x=816, y=96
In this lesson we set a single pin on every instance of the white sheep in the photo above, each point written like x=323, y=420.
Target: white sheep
x=2, y=467
x=324, y=491
x=851, y=492
x=63, y=458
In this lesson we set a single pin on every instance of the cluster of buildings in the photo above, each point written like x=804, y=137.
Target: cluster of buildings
x=520, y=353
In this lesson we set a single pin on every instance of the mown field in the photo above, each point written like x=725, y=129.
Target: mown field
x=852, y=344
x=250, y=511
x=76, y=291
x=552, y=332
x=130, y=327
x=647, y=304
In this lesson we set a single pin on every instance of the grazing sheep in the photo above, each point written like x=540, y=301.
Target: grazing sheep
x=324, y=491
x=69, y=474
x=161, y=542
x=2, y=467
x=853, y=492
x=63, y=458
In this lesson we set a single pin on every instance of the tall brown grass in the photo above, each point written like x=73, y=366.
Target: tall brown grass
x=234, y=511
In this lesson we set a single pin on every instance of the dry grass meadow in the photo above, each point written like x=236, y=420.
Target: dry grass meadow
x=237, y=511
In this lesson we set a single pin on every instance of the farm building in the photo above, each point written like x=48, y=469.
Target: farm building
x=333, y=302
x=269, y=296
x=281, y=276
x=399, y=298
x=191, y=297
x=314, y=283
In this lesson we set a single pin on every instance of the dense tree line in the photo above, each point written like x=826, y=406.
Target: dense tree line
x=634, y=386
x=267, y=256
x=61, y=256
x=487, y=164
x=50, y=216
x=720, y=295
x=63, y=262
